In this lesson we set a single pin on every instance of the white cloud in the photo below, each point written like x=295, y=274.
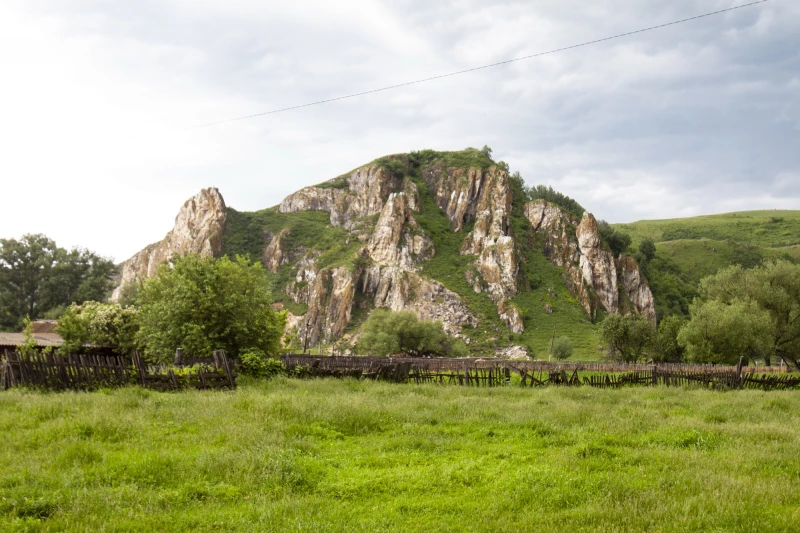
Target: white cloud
x=99, y=99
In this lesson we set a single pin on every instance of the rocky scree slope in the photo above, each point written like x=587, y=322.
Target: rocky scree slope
x=399, y=233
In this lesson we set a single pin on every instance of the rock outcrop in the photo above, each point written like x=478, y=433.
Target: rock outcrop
x=597, y=264
x=398, y=289
x=636, y=288
x=397, y=239
x=360, y=194
x=591, y=272
x=198, y=229
x=485, y=197
x=330, y=301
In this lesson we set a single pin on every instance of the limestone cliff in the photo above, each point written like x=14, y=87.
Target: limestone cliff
x=482, y=196
x=359, y=194
x=591, y=272
x=198, y=229
x=391, y=231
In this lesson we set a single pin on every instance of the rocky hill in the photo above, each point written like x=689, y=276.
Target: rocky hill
x=444, y=234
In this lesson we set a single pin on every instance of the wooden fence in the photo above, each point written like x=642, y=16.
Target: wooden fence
x=89, y=372
x=497, y=372
x=64, y=372
x=213, y=372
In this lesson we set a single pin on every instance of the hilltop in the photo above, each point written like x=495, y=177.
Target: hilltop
x=451, y=236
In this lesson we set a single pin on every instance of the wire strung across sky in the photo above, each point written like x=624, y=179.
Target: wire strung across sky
x=507, y=61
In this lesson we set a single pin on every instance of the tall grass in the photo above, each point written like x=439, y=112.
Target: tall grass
x=328, y=455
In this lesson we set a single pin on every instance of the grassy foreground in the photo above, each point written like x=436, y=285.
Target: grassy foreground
x=328, y=455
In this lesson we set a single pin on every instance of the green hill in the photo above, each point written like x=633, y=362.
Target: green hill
x=689, y=249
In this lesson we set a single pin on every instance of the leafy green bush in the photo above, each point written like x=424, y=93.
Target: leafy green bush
x=203, y=304
x=256, y=365
x=562, y=348
x=100, y=324
x=387, y=332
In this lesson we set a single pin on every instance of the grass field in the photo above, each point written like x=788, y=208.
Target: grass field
x=768, y=229
x=330, y=455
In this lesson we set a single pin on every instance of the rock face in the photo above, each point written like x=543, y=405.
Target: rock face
x=636, y=288
x=381, y=218
x=397, y=239
x=198, y=229
x=597, y=264
x=591, y=272
x=485, y=197
x=347, y=198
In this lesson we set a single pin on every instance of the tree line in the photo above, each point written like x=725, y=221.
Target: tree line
x=739, y=312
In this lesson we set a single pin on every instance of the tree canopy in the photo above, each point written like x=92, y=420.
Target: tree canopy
x=100, y=324
x=38, y=278
x=386, y=332
x=544, y=192
x=629, y=337
x=755, y=309
x=203, y=304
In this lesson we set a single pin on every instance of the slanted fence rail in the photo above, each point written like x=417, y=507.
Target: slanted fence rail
x=496, y=372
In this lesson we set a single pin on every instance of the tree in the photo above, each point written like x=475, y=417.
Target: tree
x=648, y=249
x=617, y=240
x=722, y=333
x=203, y=304
x=37, y=277
x=386, y=332
x=666, y=348
x=487, y=151
x=548, y=194
x=562, y=348
x=101, y=324
x=772, y=289
x=629, y=337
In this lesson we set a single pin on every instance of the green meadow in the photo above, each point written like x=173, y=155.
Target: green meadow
x=343, y=455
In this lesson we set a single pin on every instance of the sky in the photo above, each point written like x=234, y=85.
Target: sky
x=99, y=103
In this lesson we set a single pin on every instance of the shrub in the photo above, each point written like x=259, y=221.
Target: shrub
x=562, y=348
x=256, y=365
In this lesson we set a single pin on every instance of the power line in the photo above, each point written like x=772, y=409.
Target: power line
x=423, y=80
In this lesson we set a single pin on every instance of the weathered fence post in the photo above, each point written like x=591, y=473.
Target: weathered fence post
x=739, y=376
x=178, y=357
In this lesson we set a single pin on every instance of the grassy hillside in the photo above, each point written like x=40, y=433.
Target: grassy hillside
x=689, y=249
x=341, y=455
x=766, y=229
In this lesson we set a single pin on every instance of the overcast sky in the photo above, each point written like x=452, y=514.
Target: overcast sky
x=98, y=99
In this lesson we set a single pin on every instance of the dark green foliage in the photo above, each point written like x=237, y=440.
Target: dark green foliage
x=616, y=239
x=37, y=277
x=746, y=256
x=672, y=291
x=387, y=332
x=647, y=248
x=562, y=348
x=721, y=332
x=750, y=312
x=543, y=192
x=470, y=157
x=666, y=348
x=629, y=337
x=203, y=304
x=397, y=166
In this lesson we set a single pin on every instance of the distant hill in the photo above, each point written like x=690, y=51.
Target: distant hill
x=689, y=249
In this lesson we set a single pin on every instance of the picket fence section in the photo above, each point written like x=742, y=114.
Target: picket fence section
x=51, y=371
x=497, y=372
